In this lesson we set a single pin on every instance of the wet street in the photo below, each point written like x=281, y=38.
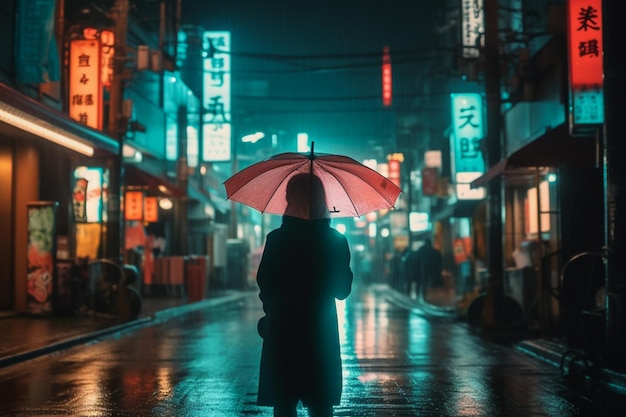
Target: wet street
x=397, y=362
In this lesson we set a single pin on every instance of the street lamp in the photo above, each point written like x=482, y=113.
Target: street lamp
x=253, y=137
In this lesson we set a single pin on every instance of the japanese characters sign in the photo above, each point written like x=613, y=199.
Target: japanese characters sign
x=107, y=44
x=467, y=132
x=467, y=127
x=133, y=205
x=585, y=53
x=85, y=92
x=472, y=27
x=216, y=101
x=150, y=210
x=107, y=38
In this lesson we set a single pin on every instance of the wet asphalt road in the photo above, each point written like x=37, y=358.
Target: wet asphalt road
x=397, y=362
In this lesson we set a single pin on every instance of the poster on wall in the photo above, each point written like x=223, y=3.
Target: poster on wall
x=88, y=195
x=79, y=200
x=41, y=256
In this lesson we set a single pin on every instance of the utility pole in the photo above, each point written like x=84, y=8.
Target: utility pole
x=495, y=292
x=113, y=244
x=614, y=185
x=232, y=229
x=180, y=206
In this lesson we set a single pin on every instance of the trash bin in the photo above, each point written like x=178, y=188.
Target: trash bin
x=176, y=274
x=197, y=278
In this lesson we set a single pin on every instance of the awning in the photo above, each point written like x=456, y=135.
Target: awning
x=552, y=149
x=23, y=114
x=155, y=185
x=208, y=196
x=462, y=208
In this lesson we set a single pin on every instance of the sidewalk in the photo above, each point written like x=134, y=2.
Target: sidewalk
x=574, y=364
x=27, y=337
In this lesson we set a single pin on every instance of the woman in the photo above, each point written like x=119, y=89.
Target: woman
x=305, y=266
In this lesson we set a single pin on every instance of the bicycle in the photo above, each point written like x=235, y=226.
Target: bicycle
x=109, y=289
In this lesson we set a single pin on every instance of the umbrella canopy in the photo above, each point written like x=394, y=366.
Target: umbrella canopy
x=320, y=185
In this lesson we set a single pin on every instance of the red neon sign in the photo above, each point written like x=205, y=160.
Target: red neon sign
x=387, y=94
x=585, y=45
x=585, y=53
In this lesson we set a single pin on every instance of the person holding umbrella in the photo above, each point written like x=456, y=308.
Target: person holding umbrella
x=304, y=268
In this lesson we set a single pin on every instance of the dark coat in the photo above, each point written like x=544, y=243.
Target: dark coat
x=304, y=268
x=426, y=264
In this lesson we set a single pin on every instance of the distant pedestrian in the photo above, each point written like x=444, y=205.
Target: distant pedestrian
x=425, y=268
x=397, y=268
x=305, y=267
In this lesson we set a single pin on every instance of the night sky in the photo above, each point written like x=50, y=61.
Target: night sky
x=319, y=64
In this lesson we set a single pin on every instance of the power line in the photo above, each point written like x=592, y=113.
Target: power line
x=337, y=98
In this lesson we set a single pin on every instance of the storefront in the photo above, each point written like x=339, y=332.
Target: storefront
x=39, y=148
x=548, y=185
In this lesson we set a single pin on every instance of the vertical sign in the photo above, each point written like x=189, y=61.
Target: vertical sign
x=467, y=124
x=133, y=205
x=107, y=51
x=467, y=132
x=386, y=75
x=394, y=171
x=585, y=53
x=85, y=93
x=150, y=210
x=36, y=52
x=107, y=37
x=429, y=181
x=216, y=123
x=472, y=27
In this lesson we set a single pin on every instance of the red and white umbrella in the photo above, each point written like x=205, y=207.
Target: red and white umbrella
x=351, y=188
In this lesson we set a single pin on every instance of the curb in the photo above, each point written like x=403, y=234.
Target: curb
x=152, y=319
x=575, y=364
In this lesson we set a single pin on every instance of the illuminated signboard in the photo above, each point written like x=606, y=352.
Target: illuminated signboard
x=387, y=90
x=430, y=177
x=133, y=205
x=171, y=139
x=472, y=27
x=419, y=222
x=88, y=201
x=467, y=124
x=467, y=132
x=150, y=210
x=585, y=53
x=107, y=38
x=85, y=92
x=394, y=171
x=216, y=131
x=107, y=48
